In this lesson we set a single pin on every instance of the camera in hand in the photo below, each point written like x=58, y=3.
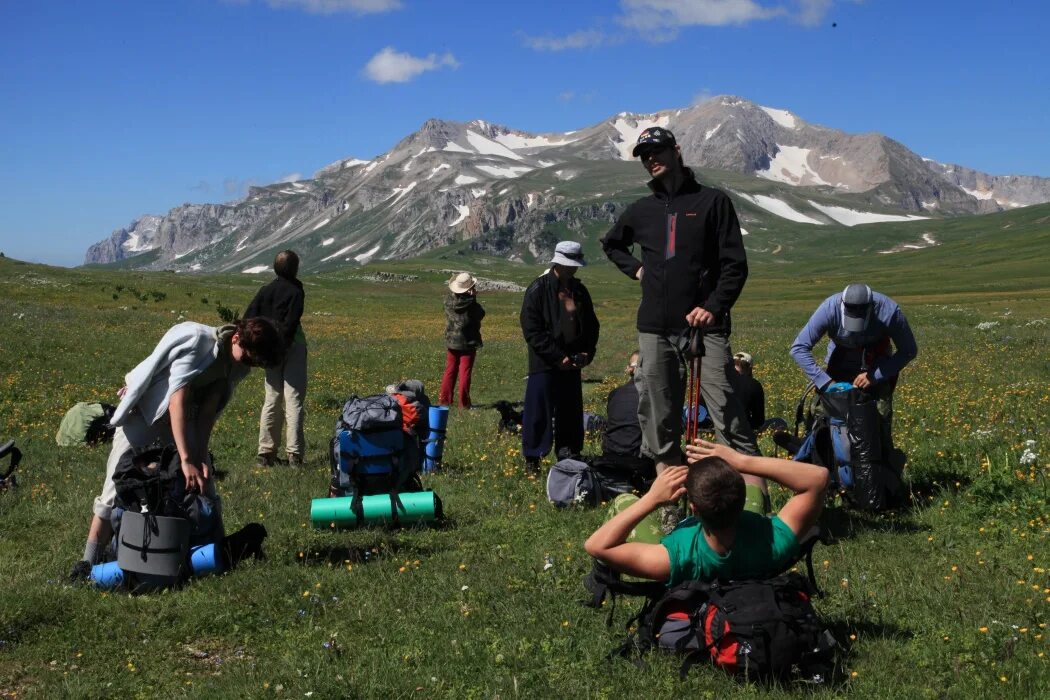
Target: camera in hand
x=579, y=359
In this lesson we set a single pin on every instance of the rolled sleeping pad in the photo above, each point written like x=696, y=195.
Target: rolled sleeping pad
x=438, y=417
x=107, y=576
x=206, y=559
x=417, y=507
x=154, y=545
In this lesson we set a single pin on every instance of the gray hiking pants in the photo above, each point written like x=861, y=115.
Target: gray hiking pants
x=661, y=382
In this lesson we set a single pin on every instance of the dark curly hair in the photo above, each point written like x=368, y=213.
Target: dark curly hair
x=717, y=492
x=262, y=340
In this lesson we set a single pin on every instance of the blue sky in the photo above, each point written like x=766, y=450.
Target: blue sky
x=114, y=109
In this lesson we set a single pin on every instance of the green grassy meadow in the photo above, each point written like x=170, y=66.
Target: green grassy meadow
x=949, y=599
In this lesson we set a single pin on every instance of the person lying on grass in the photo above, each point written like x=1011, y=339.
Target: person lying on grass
x=175, y=396
x=723, y=541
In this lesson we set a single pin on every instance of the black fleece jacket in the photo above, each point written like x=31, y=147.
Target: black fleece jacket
x=541, y=323
x=281, y=301
x=692, y=253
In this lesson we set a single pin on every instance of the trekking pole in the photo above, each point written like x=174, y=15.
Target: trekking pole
x=696, y=351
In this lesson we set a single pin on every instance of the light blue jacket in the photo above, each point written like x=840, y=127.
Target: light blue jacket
x=846, y=351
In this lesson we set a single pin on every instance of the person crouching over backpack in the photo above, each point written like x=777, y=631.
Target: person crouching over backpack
x=723, y=540
x=463, y=315
x=175, y=396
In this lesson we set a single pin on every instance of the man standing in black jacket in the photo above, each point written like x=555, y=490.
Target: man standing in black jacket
x=282, y=300
x=692, y=270
x=561, y=332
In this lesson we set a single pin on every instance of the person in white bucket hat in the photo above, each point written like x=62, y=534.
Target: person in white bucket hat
x=463, y=316
x=561, y=333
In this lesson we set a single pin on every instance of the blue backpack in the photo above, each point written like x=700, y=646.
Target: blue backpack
x=827, y=442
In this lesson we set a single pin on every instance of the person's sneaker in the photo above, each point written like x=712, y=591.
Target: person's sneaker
x=295, y=460
x=81, y=571
x=264, y=460
x=532, y=466
x=670, y=516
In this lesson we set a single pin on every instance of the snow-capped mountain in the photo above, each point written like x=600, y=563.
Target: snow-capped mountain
x=507, y=189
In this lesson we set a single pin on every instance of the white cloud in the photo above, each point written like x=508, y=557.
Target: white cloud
x=390, y=66
x=330, y=7
x=812, y=12
x=701, y=97
x=290, y=177
x=667, y=16
x=583, y=39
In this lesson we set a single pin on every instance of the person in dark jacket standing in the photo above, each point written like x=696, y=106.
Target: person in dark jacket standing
x=463, y=315
x=692, y=271
x=561, y=332
x=282, y=300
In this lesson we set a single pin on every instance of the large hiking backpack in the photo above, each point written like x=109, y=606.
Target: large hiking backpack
x=86, y=424
x=378, y=447
x=754, y=630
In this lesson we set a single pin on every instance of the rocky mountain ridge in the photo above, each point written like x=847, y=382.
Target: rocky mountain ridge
x=451, y=182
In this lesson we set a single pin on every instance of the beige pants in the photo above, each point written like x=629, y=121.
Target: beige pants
x=284, y=403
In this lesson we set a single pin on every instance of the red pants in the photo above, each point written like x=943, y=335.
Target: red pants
x=463, y=361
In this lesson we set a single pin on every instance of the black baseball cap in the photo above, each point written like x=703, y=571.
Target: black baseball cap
x=654, y=138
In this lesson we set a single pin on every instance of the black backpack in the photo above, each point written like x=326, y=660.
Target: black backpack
x=754, y=630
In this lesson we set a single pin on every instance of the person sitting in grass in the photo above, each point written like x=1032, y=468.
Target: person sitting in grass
x=724, y=540
x=175, y=396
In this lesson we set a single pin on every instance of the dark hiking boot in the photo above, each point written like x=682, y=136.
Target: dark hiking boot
x=81, y=572
x=532, y=466
x=264, y=460
x=295, y=460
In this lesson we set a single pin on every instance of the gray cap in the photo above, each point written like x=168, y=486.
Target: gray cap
x=856, y=307
x=569, y=254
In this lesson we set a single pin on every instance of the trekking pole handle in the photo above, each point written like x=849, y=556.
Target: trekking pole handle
x=696, y=342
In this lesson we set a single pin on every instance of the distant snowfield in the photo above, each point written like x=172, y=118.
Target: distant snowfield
x=453, y=147
x=402, y=191
x=508, y=171
x=743, y=231
x=327, y=241
x=241, y=244
x=365, y=257
x=320, y=224
x=780, y=208
x=791, y=165
x=517, y=141
x=711, y=132
x=979, y=194
x=781, y=116
x=256, y=270
x=629, y=133
x=465, y=180
x=337, y=253
x=852, y=217
x=928, y=241
x=464, y=212
x=438, y=169
x=478, y=192
x=197, y=266
x=488, y=147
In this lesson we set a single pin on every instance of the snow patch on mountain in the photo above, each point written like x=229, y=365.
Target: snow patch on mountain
x=438, y=169
x=368, y=255
x=400, y=192
x=780, y=208
x=791, y=165
x=781, y=116
x=478, y=192
x=852, y=217
x=488, y=147
x=454, y=147
x=979, y=194
x=256, y=270
x=464, y=212
x=465, y=180
x=320, y=224
x=509, y=171
x=711, y=132
x=518, y=142
x=327, y=241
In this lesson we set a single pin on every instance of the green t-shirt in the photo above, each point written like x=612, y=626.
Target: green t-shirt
x=764, y=547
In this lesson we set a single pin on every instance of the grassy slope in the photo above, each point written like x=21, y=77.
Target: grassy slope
x=944, y=601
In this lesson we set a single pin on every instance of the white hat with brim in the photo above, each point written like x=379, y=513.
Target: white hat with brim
x=569, y=254
x=463, y=282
